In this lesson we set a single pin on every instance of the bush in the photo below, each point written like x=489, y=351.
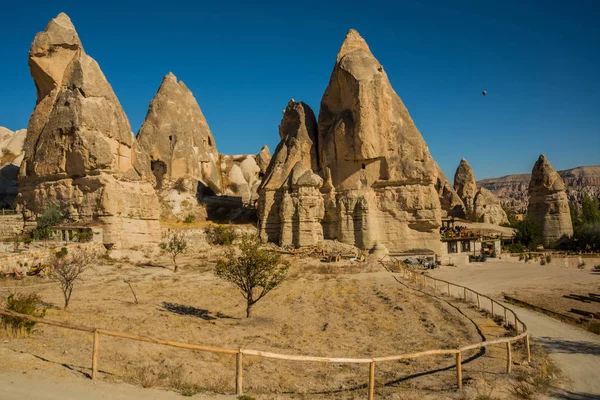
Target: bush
x=51, y=216
x=29, y=304
x=175, y=246
x=597, y=268
x=542, y=261
x=83, y=236
x=220, y=235
x=593, y=327
x=189, y=219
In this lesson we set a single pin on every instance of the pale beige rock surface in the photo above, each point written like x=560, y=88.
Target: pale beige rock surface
x=379, y=175
x=450, y=201
x=548, y=203
x=290, y=207
x=263, y=158
x=177, y=137
x=241, y=176
x=488, y=208
x=11, y=156
x=79, y=149
x=465, y=185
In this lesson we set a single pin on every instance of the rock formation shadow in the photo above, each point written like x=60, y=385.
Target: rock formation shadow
x=181, y=309
x=569, y=346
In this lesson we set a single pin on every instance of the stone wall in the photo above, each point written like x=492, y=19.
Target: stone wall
x=10, y=225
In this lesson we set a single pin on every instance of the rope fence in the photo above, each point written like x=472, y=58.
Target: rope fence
x=428, y=282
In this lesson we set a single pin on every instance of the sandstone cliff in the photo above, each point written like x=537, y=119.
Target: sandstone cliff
x=548, y=203
x=79, y=150
x=488, y=208
x=379, y=177
x=450, y=201
x=512, y=189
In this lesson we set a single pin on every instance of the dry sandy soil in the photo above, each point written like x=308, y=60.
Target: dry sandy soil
x=342, y=310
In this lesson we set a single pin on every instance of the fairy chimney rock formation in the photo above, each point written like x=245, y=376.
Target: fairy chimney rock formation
x=488, y=208
x=263, y=158
x=177, y=138
x=548, y=204
x=11, y=156
x=290, y=203
x=379, y=176
x=465, y=186
x=79, y=149
x=450, y=201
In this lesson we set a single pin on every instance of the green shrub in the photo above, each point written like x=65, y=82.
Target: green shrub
x=220, y=235
x=593, y=327
x=29, y=304
x=548, y=258
x=597, y=268
x=189, y=219
x=245, y=397
x=84, y=236
x=51, y=216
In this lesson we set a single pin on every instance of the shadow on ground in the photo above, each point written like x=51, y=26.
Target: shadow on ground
x=190, y=311
x=569, y=347
x=575, y=396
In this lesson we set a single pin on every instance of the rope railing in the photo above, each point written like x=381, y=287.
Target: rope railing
x=406, y=273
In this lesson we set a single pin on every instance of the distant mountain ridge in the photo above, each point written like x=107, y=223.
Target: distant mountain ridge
x=513, y=189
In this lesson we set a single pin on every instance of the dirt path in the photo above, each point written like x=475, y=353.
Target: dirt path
x=36, y=387
x=576, y=351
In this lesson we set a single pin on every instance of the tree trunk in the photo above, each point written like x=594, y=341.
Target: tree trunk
x=249, y=310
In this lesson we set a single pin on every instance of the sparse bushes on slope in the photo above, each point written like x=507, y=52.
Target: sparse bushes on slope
x=220, y=235
x=29, y=304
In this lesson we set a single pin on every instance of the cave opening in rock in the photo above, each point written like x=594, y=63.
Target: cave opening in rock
x=159, y=169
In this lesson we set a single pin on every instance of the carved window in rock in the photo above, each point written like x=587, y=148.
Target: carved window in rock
x=159, y=169
x=452, y=247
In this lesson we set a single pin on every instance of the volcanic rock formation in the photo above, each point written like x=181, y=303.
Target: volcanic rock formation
x=465, y=186
x=290, y=204
x=548, y=203
x=379, y=178
x=452, y=205
x=488, y=208
x=182, y=150
x=11, y=156
x=79, y=150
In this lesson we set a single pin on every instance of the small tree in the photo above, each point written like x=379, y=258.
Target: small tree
x=176, y=245
x=67, y=269
x=255, y=272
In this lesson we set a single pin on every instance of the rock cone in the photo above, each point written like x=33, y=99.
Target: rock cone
x=465, y=186
x=548, y=204
x=79, y=150
x=176, y=136
x=379, y=175
x=11, y=156
x=488, y=208
x=452, y=205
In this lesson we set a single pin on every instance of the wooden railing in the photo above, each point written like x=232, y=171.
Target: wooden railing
x=436, y=284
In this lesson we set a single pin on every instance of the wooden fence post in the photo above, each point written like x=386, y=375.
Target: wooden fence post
x=96, y=347
x=371, y=380
x=465, y=293
x=492, y=301
x=528, y=348
x=459, y=369
x=505, y=318
x=508, y=358
x=478, y=301
x=516, y=324
x=448, y=288
x=239, y=390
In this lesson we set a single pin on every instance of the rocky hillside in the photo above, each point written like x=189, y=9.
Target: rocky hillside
x=512, y=189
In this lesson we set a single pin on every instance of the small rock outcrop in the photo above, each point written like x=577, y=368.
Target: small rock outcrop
x=263, y=158
x=79, y=149
x=182, y=151
x=379, y=177
x=11, y=156
x=488, y=208
x=452, y=205
x=465, y=186
x=290, y=207
x=548, y=204
x=241, y=176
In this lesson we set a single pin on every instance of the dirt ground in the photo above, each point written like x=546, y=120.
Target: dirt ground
x=541, y=285
x=337, y=310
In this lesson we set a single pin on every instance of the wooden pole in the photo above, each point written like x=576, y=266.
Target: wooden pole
x=516, y=324
x=492, y=301
x=459, y=369
x=465, y=293
x=508, y=358
x=238, y=374
x=448, y=288
x=371, y=380
x=505, y=318
x=478, y=301
x=96, y=347
x=528, y=348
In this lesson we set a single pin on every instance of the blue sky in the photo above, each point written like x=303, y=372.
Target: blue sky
x=538, y=60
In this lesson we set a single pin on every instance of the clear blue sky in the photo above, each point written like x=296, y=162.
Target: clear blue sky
x=538, y=60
